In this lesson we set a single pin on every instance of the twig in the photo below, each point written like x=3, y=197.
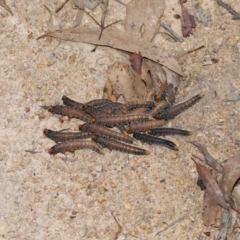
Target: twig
x=172, y=224
x=61, y=7
x=208, y=158
x=236, y=15
x=119, y=226
x=225, y=222
x=102, y=24
x=169, y=28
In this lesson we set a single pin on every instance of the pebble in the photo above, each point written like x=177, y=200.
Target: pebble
x=233, y=97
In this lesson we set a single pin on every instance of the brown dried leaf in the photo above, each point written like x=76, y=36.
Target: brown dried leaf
x=5, y=6
x=187, y=20
x=210, y=206
x=231, y=174
x=143, y=17
x=126, y=82
x=136, y=62
x=210, y=209
x=119, y=40
x=212, y=185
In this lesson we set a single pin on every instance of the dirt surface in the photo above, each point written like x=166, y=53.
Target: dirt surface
x=72, y=196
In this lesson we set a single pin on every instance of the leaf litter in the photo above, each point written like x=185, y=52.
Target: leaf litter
x=226, y=190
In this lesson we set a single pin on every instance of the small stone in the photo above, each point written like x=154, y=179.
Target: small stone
x=233, y=97
x=91, y=4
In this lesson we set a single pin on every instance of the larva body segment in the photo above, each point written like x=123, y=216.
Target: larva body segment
x=113, y=120
x=95, y=112
x=170, y=113
x=119, y=146
x=155, y=140
x=144, y=126
x=159, y=107
x=168, y=131
x=71, y=103
x=71, y=112
x=60, y=136
x=106, y=132
x=112, y=108
x=137, y=104
x=72, y=145
x=97, y=103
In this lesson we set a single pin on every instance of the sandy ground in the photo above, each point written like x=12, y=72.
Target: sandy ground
x=72, y=196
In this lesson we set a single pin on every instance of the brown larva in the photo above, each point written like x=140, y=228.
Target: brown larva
x=175, y=110
x=119, y=146
x=155, y=140
x=61, y=136
x=106, y=132
x=113, y=120
x=75, y=144
x=159, y=107
x=97, y=103
x=137, y=104
x=144, y=126
x=71, y=103
x=71, y=112
x=168, y=131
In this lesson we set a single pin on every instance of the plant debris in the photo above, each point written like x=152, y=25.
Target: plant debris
x=188, y=22
x=211, y=184
x=236, y=15
x=5, y=6
x=143, y=17
x=231, y=174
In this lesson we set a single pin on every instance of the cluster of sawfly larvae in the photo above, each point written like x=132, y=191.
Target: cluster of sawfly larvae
x=136, y=120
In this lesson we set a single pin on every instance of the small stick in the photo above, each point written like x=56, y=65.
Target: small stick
x=207, y=156
x=144, y=126
x=59, y=136
x=171, y=224
x=155, y=140
x=119, y=146
x=236, y=15
x=119, y=227
x=168, y=27
x=61, y=7
x=72, y=145
x=168, y=131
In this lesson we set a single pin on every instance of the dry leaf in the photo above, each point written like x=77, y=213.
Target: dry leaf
x=143, y=17
x=231, y=174
x=126, y=82
x=5, y=6
x=187, y=20
x=212, y=185
x=119, y=40
x=136, y=62
x=210, y=206
x=210, y=209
